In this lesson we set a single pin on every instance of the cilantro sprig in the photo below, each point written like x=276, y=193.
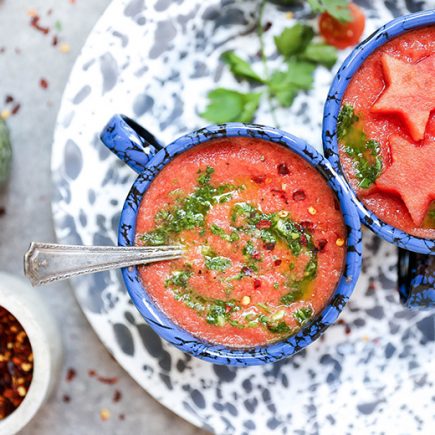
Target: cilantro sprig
x=300, y=55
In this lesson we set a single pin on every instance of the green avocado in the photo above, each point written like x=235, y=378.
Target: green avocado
x=5, y=152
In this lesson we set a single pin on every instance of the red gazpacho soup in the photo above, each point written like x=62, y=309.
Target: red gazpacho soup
x=386, y=132
x=264, y=241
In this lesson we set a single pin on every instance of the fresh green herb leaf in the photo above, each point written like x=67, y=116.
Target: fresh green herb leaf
x=320, y=53
x=218, y=231
x=179, y=278
x=226, y=105
x=290, y=297
x=279, y=328
x=339, y=9
x=239, y=67
x=217, y=263
x=205, y=177
x=293, y=39
x=302, y=315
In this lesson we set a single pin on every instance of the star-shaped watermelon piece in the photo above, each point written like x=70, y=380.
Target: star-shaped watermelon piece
x=410, y=176
x=410, y=92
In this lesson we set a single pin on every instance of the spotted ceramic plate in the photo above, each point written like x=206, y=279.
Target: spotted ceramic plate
x=156, y=62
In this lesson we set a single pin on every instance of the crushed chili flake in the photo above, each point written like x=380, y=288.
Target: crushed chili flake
x=256, y=256
x=269, y=246
x=92, y=373
x=104, y=414
x=259, y=179
x=321, y=244
x=66, y=398
x=43, y=83
x=303, y=240
x=2, y=211
x=34, y=22
x=117, y=396
x=15, y=352
x=346, y=325
x=107, y=380
x=281, y=193
x=54, y=40
x=9, y=99
x=15, y=109
x=307, y=225
x=5, y=114
x=277, y=262
x=267, y=26
x=263, y=224
x=257, y=283
x=70, y=374
x=298, y=195
x=247, y=271
x=283, y=169
x=121, y=416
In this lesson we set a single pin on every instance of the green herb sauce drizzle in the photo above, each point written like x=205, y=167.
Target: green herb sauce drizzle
x=189, y=212
x=364, y=152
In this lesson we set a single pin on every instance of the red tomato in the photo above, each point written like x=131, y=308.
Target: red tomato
x=339, y=34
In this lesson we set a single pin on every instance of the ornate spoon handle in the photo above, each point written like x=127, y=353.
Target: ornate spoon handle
x=47, y=262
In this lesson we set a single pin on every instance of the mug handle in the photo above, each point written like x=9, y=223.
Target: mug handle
x=132, y=143
x=416, y=280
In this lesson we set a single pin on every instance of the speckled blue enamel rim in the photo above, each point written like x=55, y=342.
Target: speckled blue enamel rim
x=161, y=324
x=332, y=107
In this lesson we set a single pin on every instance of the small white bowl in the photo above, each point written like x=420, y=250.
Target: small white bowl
x=23, y=302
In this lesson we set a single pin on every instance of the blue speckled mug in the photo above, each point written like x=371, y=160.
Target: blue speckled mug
x=416, y=268
x=144, y=154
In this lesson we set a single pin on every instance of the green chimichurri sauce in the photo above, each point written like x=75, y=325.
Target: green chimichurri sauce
x=364, y=152
x=190, y=211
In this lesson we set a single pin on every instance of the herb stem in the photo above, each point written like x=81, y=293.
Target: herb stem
x=266, y=73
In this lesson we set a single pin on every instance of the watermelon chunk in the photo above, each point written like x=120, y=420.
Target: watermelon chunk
x=410, y=92
x=410, y=176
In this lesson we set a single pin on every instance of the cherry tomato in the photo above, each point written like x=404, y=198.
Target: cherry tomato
x=339, y=34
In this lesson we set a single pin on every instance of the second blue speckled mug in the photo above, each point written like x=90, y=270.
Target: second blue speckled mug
x=416, y=268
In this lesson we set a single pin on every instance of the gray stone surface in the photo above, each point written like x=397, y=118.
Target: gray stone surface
x=29, y=56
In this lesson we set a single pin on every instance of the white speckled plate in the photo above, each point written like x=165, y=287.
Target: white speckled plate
x=155, y=61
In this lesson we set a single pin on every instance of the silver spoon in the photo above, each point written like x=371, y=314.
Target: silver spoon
x=48, y=262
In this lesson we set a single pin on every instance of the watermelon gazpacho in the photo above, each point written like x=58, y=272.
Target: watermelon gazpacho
x=386, y=132
x=264, y=241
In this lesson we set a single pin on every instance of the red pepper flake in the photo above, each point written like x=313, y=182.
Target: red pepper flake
x=2, y=211
x=283, y=169
x=9, y=99
x=70, y=374
x=92, y=373
x=263, y=224
x=299, y=195
x=121, y=416
x=259, y=179
x=16, y=363
x=267, y=26
x=107, y=380
x=321, y=244
x=281, y=193
x=346, y=325
x=257, y=283
x=43, y=83
x=66, y=398
x=117, y=396
x=303, y=240
x=307, y=225
x=54, y=41
x=15, y=109
x=277, y=262
x=256, y=256
x=247, y=271
x=270, y=246
x=34, y=22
